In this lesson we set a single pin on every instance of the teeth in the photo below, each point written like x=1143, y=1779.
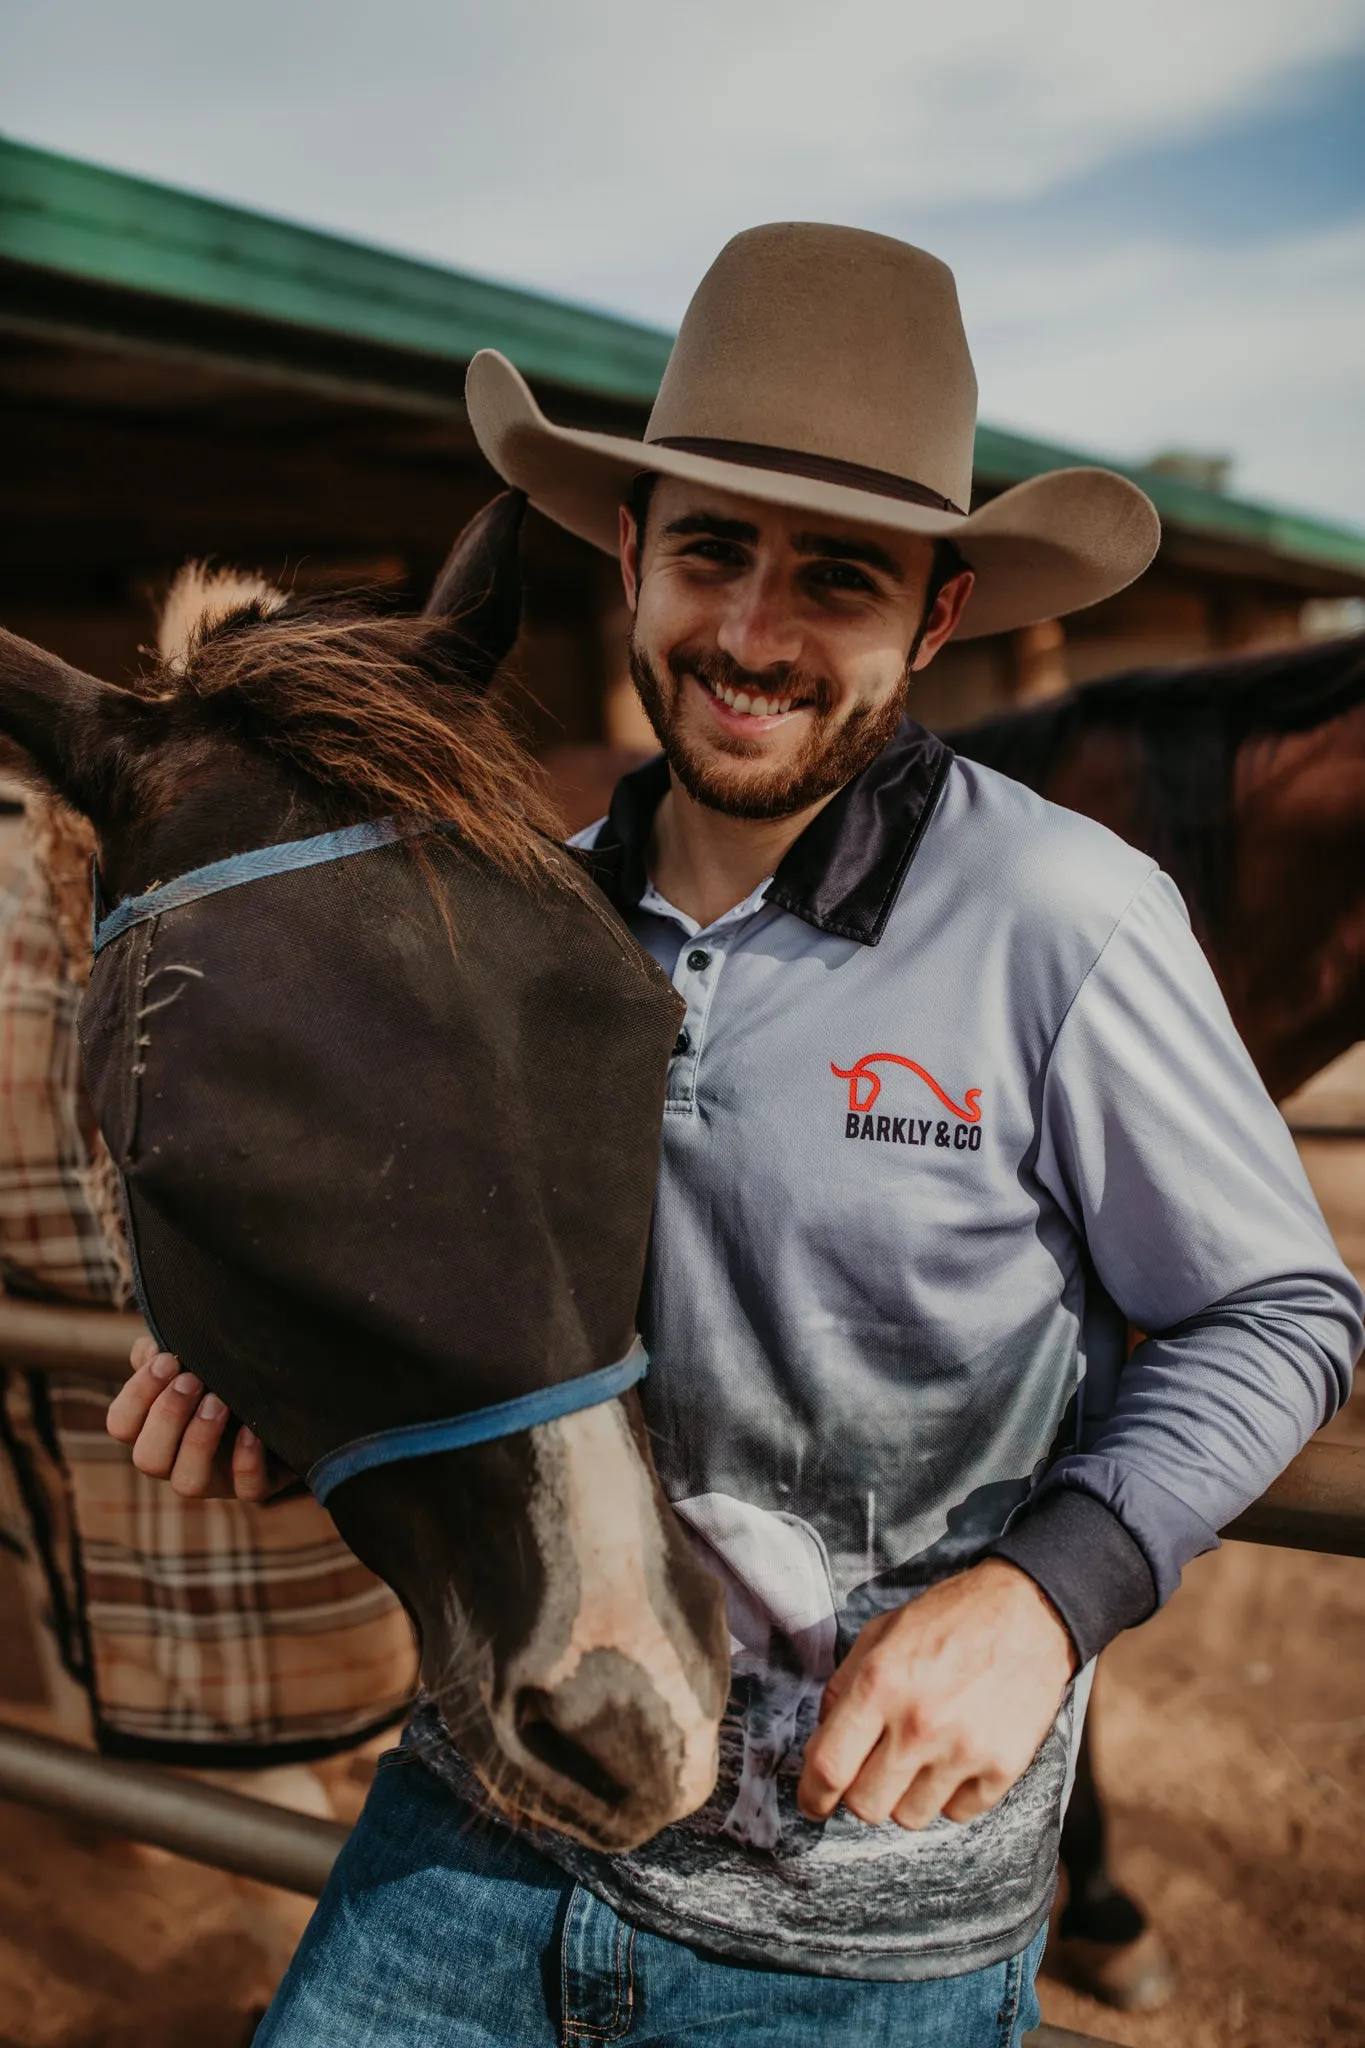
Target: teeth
x=753, y=707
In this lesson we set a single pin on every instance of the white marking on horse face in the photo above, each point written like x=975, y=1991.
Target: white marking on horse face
x=598, y=1527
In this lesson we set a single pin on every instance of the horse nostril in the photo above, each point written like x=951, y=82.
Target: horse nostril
x=541, y=1734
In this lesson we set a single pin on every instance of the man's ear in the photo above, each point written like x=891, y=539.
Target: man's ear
x=628, y=540
x=944, y=613
x=479, y=588
x=71, y=729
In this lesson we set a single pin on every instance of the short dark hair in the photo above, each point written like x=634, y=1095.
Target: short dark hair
x=637, y=500
x=948, y=560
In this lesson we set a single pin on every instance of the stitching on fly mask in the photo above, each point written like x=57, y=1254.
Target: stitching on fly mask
x=410, y=1439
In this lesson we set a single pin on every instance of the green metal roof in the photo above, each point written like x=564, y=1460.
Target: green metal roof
x=1010, y=458
x=104, y=227
x=107, y=228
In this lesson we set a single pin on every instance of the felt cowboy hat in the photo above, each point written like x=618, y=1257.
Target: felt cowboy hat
x=826, y=369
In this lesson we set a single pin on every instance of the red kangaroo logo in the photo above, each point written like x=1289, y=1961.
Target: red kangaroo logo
x=864, y=1086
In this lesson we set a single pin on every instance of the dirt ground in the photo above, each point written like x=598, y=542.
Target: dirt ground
x=1231, y=1738
x=107, y=1945
x=1231, y=1735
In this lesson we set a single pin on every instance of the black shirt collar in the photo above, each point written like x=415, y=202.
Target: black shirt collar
x=843, y=874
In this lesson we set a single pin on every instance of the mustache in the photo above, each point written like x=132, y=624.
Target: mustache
x=719, y=671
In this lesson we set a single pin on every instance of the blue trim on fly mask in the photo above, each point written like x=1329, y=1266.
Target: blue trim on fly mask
x=285, y=859
x=417, y=1439
x=480, y=1426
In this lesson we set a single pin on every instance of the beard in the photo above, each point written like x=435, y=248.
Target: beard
x=830, y=755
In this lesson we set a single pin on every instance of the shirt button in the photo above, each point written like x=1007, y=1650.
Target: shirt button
x=682, y=1042
x=698, y=960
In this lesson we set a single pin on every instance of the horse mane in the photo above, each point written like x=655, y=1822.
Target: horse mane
x=201, y=597
x=375, y=711
x=1188, y=724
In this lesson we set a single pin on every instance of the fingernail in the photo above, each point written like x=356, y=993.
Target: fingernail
x=210, y=1408
x=246, y=1439
x=163, y=1367
x=188, y=1384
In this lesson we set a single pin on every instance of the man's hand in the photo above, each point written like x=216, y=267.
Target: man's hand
x=180, y=1433
x=941, y=1706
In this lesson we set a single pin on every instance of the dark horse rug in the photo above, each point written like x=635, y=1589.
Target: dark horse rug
x=388, y=1126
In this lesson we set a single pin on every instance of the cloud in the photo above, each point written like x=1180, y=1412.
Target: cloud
x=1252, y=351
x=1096, y=174
x=566, y=143
x=1293, y=164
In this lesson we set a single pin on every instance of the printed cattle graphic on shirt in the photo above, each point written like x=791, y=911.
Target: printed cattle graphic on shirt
x=779, y=1603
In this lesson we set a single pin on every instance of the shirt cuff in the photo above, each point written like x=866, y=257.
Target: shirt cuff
x=1087, y=1564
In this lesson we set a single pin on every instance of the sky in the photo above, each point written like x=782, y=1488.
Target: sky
x=1156, y=213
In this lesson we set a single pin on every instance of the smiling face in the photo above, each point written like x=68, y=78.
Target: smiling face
x=772, y=648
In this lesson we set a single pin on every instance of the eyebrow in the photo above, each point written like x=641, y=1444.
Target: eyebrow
x=715, y=524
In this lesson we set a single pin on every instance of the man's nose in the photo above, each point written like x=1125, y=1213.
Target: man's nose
x=760, y=629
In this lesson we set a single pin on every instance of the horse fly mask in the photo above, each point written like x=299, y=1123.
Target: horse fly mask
x=386, y=1102
x=387, y=1124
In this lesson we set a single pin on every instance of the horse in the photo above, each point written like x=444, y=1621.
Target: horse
x=383, y=1075
x=1245, y=778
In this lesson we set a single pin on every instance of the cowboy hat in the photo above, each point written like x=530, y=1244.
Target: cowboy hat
x=826, y=369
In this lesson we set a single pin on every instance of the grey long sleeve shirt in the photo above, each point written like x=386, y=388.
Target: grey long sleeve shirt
x=957, y=1099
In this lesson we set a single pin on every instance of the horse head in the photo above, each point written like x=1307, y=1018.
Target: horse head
x=388, y=1129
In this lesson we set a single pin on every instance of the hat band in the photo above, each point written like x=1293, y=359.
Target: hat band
x=821, y=469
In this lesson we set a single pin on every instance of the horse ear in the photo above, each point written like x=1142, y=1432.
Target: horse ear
x=479, y=589
x=69, y=728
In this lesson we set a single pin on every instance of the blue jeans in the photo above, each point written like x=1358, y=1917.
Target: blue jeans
x=438, y=1931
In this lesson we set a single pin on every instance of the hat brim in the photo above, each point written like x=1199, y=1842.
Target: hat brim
x=1048, y=546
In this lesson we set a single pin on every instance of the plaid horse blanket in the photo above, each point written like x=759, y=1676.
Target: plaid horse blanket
x=205, y=1632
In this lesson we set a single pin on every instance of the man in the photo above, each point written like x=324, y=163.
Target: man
x=955, y=1100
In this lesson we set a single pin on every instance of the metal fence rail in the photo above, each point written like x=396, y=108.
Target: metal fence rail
x=42, y=1339
x=1318, y=1504
x=247, y=1836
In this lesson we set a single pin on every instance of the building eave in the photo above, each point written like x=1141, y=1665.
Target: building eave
x=109, y=229
x=1271, y=531
x=138, y=264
